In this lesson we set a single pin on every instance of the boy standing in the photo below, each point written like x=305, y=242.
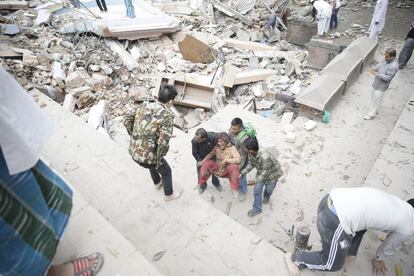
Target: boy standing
x=268, y=173
x=384, y=73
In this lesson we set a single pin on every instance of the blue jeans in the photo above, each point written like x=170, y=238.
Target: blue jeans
x=243, y=184
x=268, y=188
x=334, y=19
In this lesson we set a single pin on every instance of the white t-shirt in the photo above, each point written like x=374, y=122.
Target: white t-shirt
x=368, y=208
x=23, y=126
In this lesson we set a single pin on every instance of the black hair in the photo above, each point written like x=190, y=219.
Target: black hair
x=411, y=202
x=391, y=52
x=251, y=143
x=201, y=132
x=224, y=136
x=237, y=122
x=167, y=93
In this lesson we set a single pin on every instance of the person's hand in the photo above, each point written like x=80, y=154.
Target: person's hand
x=251, y=182
x=218, y=173
x=373, y=72
x=199, y=163
x=376, y=22
x=378, y=267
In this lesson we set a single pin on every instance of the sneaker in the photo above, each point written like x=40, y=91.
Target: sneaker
x=266, y=199
x=253, y=212
x=201, y=189
x=242, y=197
x=173, y=196
x=158, y=185
x=236, y=194
x=219, y=187
x=368, y=117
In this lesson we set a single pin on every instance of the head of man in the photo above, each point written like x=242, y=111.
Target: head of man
x=200, y=135
x=236, y=126
x=411, y=202
x=167, y=94
x=390, y=55
x=252, y=145
x=223, y=140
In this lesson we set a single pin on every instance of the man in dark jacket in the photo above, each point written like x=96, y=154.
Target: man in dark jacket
x=202, y=144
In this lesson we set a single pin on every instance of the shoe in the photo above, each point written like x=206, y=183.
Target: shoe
x=266, y=200
x=242, y=197
x=158, y=185
x=253, y=212
x=173, y=196
x=236, y=194
x=368, y=117
x=218, y=187
x=201, y=189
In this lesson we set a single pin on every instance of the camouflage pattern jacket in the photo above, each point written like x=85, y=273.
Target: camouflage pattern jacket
x=151, y=128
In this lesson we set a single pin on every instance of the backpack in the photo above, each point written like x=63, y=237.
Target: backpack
x=248, y=130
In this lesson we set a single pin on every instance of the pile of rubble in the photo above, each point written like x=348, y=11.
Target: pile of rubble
x=248, y=62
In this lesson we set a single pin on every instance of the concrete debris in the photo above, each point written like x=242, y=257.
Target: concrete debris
x=97, y=116
x=69, y=102
x=309, y=125
x=43, y=17
x=78, y=79
x=196, y=51
x=85, y=99
x=9, y=29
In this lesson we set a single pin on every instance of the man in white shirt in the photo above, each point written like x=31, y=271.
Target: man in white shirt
x=323, y=15
x=344, y=215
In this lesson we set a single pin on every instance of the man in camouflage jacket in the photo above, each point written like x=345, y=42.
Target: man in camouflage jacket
x=151, y=128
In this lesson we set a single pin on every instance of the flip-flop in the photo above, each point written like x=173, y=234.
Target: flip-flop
x=81, y=266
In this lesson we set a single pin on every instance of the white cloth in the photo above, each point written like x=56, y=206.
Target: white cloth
x=368, y=208
x=337, y=4
x=323, y=15
x=23, y=127
x=378, y=19
x=376, y=100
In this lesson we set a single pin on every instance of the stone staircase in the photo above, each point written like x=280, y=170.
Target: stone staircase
x=195, y=238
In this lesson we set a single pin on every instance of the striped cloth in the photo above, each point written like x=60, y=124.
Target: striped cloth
x=34, y=210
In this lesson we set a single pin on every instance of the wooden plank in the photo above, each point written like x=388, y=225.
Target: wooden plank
x=230, y=73
x=231, y=12
x=252, y=76
x=256, y=46
x=14, y=5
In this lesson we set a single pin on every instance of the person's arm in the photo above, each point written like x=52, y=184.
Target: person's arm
x=196, y=151
x=210, y=155
x=248, y=168
x=389, y=73
x=165, y=132
x=268, y=165
x=129, y=122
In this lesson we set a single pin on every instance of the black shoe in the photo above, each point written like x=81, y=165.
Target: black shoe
x=201, y=189
x=266, y=199
x=218, y=187
x=253, y=213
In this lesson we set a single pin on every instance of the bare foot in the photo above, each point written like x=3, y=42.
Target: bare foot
x=91, y=264
x=292, y=267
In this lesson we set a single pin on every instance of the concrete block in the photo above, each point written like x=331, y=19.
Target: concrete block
x=309, y=125
x=287, y=119
x=290, y=137
x=363, y=47
x=345, y=67
x=321, y=52
x=300, y=32
x=322, y=92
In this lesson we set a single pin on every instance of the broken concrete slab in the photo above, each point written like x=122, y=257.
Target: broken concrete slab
x=9, y=29
x=321, y=93
x=345, y=67
x=57, y=71
x=248, y=45
x=230, y=73
x=253, y=76
x=190, y=93
x=300, y=32
x=43, y=17
x=69, y=102
x=126, y=57
x=196, y=51
x=287, y=119
x=230, y=12
x=14, y=5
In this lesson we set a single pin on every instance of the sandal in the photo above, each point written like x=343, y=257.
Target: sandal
x=81, y=266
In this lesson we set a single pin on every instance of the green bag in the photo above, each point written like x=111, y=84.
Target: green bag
x=248, y=130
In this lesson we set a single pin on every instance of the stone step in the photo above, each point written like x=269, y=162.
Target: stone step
x=88, y=232
x=195, y=237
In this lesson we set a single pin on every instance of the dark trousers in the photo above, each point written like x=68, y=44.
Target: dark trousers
x=406, y=52
x=334, y=19
x=335, y=243
x=101, y=5
x=214, y=179
x=163, y=173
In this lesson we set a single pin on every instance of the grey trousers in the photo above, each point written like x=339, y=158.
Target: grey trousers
x=406, y=52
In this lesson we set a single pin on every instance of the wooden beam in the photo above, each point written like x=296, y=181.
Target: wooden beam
x=253, y=76
x=247, y=45
x=231, y=12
